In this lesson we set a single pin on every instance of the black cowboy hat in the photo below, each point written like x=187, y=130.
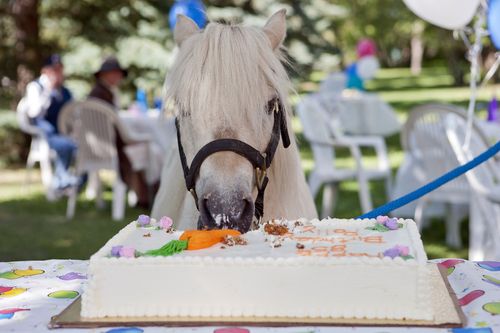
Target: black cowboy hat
x=110, y=64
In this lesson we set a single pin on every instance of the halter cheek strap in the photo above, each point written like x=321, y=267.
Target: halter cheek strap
x=260, y=161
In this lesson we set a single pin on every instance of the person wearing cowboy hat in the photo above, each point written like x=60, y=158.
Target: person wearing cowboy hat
x=108, y=78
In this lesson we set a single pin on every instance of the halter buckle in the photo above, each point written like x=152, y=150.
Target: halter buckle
x=260, y=175
x=193, y=193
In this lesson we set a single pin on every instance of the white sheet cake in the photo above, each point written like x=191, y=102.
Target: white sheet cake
x=317, y=269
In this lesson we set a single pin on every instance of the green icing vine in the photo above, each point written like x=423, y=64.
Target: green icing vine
x=172, y=247
x=408, y=257
x=382, y=228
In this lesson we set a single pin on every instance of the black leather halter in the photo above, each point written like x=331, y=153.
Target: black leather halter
x=260, y=161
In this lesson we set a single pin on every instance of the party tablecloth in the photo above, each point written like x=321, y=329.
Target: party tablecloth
x=31, y=292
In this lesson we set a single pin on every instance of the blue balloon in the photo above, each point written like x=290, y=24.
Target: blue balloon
x=353, y=80
x=494, y=22
x=194, y=9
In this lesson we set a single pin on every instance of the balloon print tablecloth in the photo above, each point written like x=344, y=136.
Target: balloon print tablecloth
x=31, y=292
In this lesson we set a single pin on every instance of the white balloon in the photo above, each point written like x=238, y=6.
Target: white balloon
x=367, y=67
x=448, y=14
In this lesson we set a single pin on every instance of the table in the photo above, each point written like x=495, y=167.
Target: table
x=362, y=113
x=31, y=292
x=160, y=129
x=160, y=133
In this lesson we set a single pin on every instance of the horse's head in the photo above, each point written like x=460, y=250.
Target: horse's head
x=221, y=83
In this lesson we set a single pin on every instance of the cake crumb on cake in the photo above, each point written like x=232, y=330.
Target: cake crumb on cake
x=234, y=240
x=273, y=228
x=298, y=223
x=147, y=235
x=300, y=246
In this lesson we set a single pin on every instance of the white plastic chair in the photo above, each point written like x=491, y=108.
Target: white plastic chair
x=424, y=138
x=324, y=136
x=484, y=220
x=40, y=151
x=92, y=124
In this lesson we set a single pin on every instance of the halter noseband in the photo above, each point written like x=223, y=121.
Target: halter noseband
x=260, y=161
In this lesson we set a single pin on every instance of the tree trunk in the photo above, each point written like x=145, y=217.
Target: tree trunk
x=417, y=48
x=28, y=52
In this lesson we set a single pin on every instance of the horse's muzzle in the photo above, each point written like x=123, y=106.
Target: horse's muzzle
x=227, y=211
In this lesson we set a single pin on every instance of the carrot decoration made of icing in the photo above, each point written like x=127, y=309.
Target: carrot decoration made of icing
x=201, y=239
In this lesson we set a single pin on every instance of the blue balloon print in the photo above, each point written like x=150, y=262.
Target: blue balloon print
x=494, y=22
x=194, y=9
x=6, y=315
x=126, y=330
x=472, y=330
x=493, y=266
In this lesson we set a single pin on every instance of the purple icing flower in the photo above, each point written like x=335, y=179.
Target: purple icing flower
x=392, y=223
x=392, y=252
x=403, y=250
x=115, y=250
x=397, y=251
x=382, y=219
x=127, y=252
x=143, y=220
x=166, y=223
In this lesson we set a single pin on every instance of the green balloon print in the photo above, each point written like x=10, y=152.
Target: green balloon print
x=493, y=308
x=63, y=294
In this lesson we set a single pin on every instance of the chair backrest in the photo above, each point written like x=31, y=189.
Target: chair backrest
x=333, y=84
x=424, y=137
x=91, y=124
x=485, y=177
x=484, y=182
x=315, y=124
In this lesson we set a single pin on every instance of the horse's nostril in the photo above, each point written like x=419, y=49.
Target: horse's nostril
x=247, y=207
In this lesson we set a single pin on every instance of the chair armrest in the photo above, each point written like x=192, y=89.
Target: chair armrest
x=33, y=131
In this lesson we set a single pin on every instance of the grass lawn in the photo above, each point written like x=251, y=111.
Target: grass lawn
x=32, y=228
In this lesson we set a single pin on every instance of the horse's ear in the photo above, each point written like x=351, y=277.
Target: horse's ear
x=275, y=28
x=184, y=28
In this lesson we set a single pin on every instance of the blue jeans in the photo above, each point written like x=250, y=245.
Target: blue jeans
x=65, y=149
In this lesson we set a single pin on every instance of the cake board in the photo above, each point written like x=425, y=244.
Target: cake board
x=448, y=314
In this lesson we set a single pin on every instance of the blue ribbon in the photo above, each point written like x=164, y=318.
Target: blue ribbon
x=420, y=192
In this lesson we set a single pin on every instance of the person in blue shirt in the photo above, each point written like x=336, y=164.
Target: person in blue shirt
x=45, y=97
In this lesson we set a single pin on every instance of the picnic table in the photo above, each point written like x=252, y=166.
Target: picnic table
x=31, y=292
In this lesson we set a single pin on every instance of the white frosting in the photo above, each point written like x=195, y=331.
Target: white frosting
x=337, y=274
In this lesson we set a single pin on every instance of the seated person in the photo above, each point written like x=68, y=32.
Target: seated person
x=108, y=78
x=45, y=97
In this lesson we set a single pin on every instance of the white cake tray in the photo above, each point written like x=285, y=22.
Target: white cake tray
x=447, y=314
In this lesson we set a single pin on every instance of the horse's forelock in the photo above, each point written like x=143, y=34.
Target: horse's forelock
x=224, y=74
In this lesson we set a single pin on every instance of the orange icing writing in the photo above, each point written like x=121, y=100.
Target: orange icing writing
x=333, y=251
x=373, y=239
x=345, y=232
x=308, y=228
